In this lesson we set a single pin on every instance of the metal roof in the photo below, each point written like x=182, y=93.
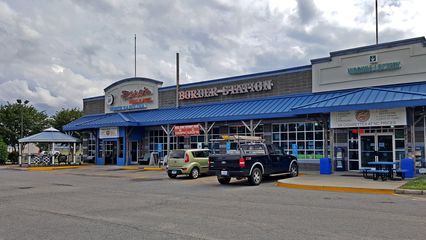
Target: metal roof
x=273, y=107
x=50, y=135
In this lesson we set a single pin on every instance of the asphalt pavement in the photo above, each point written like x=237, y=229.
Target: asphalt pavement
x=108, y=203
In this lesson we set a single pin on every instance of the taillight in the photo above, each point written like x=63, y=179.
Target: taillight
x=210, y=162
x=242, y=162
x=186, y=159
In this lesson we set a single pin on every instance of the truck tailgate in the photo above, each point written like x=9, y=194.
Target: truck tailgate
x=225, y=162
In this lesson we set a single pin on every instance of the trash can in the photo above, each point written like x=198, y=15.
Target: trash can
x=325, y=166
x=408, y=165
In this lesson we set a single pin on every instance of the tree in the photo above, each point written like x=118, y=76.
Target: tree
x=3, y=152
x=12, y=116
x=65, y=116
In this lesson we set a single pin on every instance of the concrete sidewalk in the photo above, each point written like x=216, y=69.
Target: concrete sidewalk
x=341, y=182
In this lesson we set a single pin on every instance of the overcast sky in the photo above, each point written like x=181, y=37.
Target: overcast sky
x=54, y=53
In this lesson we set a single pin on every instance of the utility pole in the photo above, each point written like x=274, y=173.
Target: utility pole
x=135, y=55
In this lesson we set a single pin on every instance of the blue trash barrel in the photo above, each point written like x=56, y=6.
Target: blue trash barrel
x=325, y=166
x=408, y=164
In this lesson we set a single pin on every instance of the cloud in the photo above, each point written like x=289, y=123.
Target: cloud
x=57, y=52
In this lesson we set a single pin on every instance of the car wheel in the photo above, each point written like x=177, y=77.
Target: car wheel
x=294, y=170
x=195, y=173
x=171, y=175
x=224, y=180
x=255, y=177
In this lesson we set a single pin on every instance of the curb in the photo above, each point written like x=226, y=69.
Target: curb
x=336, y=189
x=50, y=168
x=152, y=169
x=410, y=191
x=130, y=168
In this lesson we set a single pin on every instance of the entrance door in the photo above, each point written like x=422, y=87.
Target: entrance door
x=134, y=152
x=368, y=149
x=376, y=147
x=110, y=148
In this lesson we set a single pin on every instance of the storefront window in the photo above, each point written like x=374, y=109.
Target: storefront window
x=243, y=131
x=308, y=137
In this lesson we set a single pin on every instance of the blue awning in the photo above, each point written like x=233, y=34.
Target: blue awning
x=407, y=95
x=366, y=98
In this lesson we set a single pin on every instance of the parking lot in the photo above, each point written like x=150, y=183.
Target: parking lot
x=109, y=203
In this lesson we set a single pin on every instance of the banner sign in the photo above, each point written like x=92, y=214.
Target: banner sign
x=187, y=130
x=110, y=132
x=368, y=118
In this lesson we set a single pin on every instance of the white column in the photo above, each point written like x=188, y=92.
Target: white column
x=73, y=154
x=81, y=153
x=20, y=154
x=53, y=155
x=29, y=156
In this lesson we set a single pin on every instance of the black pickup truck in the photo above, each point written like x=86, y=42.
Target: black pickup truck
x=252, y=161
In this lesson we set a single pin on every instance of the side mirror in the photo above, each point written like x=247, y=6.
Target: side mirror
x=288, y=153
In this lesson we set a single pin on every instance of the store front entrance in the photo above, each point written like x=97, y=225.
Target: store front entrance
x=134, y=153
x=110, y=152
x=376, y=147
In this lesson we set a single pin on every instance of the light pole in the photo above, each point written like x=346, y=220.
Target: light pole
x=19, y=101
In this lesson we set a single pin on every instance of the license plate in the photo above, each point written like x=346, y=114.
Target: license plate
x=174, y=172
x=224, y=173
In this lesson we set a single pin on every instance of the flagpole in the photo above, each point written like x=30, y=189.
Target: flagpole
x=377, y=25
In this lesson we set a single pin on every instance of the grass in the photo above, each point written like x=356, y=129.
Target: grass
x=416, y=184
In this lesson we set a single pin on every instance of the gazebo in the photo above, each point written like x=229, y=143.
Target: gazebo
x=48, y=136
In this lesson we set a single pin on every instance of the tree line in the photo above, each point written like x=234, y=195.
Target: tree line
x=21, y=120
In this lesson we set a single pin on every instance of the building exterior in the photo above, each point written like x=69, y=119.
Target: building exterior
x=355, y=106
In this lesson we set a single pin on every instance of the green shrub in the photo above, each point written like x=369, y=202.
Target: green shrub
x=3, y=152
x=14, y=157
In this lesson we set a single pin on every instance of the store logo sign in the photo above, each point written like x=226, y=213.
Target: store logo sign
x=362, y=116
x=258, y=86
x=374, y=66
x=110, y=132
x=373, y=59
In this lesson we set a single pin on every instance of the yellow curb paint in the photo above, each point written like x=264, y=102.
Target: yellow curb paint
x=152, y=169
x=51, y=168
x=130, y=168
x=336, y=189
x=301, y=174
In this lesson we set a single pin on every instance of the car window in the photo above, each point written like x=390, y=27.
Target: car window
x=200, y=154
x=274, y=150
x=253, y=149
x=177, y=154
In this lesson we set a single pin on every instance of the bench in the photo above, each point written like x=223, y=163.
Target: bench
x=364, y=171
x=383, y=174
x=401, y=173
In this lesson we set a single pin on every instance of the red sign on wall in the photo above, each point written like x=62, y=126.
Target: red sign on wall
x=187, y=130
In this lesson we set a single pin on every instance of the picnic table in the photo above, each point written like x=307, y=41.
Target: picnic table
x=384, y=170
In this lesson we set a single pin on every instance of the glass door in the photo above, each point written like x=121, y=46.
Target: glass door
x=385, y=148
x=367, y=149
x=134, y=154
x=376, y=147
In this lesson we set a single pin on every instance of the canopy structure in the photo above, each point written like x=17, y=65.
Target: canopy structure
x=51, y=136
